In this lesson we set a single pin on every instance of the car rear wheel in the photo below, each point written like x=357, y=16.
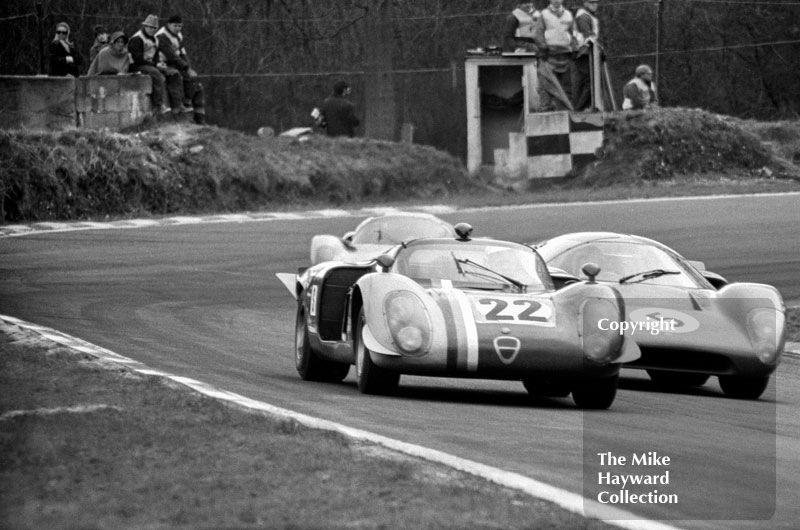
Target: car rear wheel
x=677, y=379
x=310, y=366
x=371, y=378
x=543, y=388
x=743, y=387
x=596, y=394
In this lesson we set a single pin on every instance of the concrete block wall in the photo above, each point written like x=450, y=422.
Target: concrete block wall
x=114, y=102
x=37, y=102
x=58, y=103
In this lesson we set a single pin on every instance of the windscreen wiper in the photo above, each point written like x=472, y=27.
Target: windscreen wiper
x=646, y=275
x=516, y=283
x=458, y=264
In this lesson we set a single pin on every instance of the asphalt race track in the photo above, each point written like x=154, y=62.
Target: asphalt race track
x=202, y=301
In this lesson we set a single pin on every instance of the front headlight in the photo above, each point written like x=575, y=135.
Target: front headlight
x=601, y=342
x=765, y=327
x=408, y=322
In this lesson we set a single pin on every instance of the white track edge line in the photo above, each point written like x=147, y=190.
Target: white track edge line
x=17, y=230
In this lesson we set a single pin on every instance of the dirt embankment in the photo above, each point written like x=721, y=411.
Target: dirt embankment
x=190, y=169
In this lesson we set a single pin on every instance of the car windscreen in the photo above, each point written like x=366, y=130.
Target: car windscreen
x=393, y=230
x=480, y=265
x=623, y=260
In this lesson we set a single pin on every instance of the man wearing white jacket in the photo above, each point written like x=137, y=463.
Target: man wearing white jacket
x=554, y=37
x=172, y=52
x=640, y=92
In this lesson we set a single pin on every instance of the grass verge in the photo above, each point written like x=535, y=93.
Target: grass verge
x=90, y=445
x=85, y=445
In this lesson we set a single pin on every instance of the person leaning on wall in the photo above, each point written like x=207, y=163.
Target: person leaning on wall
x=65, y=59
x=143, y=48
x=114, y=59
x=587, y=35
x=173, y=53
x=553, y=34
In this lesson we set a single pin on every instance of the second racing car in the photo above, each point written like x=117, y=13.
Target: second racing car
x=689, y=323
x=376, y=235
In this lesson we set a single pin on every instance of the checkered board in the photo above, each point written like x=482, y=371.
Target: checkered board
x=555, y=143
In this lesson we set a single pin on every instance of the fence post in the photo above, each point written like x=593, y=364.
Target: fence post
x=39, y=23
x=380, y=115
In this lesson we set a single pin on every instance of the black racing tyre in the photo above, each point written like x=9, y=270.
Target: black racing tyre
x=596, y=394
x=371, y=378
x=310, y=366
x=337, y=372
x=740, y=387
x=543, y=388
x=677, y=379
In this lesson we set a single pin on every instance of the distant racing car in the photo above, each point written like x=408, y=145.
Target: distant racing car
x=458, y=307
x=375, y=235
x=689, y=323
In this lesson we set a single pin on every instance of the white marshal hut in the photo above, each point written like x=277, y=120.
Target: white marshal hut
x=508, y=134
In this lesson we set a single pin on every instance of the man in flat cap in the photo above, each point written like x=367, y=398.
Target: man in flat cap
x=173, y=53
x=143, y=48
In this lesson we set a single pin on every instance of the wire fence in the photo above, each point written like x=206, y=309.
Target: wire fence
x=268, y=63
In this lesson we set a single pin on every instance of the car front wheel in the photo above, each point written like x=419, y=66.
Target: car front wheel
x=743, y=387
x=596, y=394
x=308, y=364
x=371, y=378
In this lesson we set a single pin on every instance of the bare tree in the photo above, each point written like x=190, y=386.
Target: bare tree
x=380, y=116
x=268, y=62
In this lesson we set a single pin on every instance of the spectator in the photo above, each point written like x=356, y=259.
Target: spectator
x=65, y=59
x=143, y=48
x=553, y=36
x=338, y=112
x=173, y=53
x=518, y=35
x=114, y=59
x=587, y=33
x=100, y=41
x=640, y=92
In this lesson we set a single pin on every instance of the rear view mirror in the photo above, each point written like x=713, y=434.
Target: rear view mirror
x=385, y=260
x=347, y=239
x=590, y=270
x=560, y=277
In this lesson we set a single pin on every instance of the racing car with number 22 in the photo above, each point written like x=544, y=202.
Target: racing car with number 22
x=458, y=307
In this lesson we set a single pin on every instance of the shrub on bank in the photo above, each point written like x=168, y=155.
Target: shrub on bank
x=182, y=169
x=676, y=143
x=190, y=169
